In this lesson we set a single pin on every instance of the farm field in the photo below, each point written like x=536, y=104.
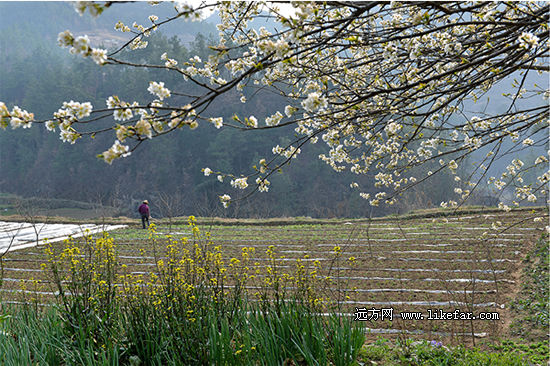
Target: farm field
x=430, y=266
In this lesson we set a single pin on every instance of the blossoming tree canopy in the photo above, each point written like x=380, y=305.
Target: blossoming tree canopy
x=383, y=85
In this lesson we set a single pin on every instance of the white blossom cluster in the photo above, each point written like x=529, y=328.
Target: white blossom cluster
x=122, y=110
x=119, y=26
x=528, y=40
x=93, y=8
x=240, y=183
x=116, y=151
x=170, y=62
x=78, y=110
x=225, y=200
x=217, y=121
x=81, y=46
x=274, y=120
x=16, y=118
x=288, y=152
x=66, y=116
x=138, y=43
x=148, y=124
x=263, y=184
x=158, y=89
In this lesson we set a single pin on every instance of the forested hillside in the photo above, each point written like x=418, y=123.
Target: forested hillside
x=39, y=76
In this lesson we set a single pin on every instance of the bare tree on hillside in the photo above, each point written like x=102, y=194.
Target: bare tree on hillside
x=170, y=205
x=30, y=212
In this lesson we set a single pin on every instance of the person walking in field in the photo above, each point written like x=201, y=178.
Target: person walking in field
x=144, y=212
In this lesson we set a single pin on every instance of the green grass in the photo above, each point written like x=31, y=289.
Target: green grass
x=290, y=334
x=292, y=337
x=434, y=353
x=532, y=306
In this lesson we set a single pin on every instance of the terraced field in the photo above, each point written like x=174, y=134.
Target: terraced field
x=419, y=265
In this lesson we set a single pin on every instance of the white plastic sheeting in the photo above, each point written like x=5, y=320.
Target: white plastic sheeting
x=20, y=235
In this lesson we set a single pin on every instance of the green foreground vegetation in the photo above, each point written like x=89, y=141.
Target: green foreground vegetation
x=293, y=336
x=289, y=334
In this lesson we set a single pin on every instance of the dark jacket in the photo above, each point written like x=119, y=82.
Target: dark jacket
x=144, y=210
